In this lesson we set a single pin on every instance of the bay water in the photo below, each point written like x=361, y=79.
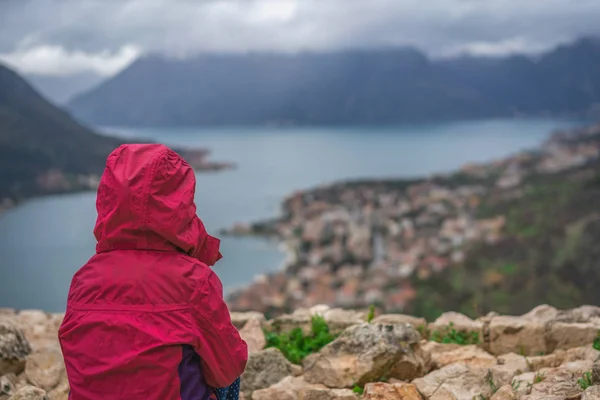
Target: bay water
x=44, y=241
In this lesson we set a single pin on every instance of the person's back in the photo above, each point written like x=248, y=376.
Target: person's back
x=145, y=316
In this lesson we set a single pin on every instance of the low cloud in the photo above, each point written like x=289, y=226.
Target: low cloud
x=56, y=61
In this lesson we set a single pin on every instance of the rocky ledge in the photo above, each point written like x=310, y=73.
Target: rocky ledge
x=546, y=354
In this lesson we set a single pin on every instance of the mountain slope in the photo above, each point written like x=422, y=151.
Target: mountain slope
x=548, y=253
x=43, y=150
x=351, y=87
x=60, y=89
x=565, y=80
x=38, y=141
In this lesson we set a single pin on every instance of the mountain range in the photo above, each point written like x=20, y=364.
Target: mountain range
x=369, y=87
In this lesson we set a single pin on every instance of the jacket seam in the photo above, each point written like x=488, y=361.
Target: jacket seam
x=206, y=320
x=217, y=331
x=150, y=176
x=76, y=307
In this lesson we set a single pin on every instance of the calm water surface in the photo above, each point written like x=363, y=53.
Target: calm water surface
x=43, y=242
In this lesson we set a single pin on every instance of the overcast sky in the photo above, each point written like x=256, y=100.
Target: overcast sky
x=64, y=37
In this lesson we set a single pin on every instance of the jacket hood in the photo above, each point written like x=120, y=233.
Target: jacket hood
x=146, y=202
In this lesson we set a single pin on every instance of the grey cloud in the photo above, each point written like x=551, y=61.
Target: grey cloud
x=185, y=26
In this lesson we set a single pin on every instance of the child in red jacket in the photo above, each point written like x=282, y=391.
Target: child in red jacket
x=145, y=316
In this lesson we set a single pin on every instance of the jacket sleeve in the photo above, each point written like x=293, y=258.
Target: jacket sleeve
x=223, y=352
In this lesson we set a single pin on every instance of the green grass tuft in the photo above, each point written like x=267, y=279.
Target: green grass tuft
x=295, y=345
x=371, y=314
x=585, y=381
x=451, y=335
x=539, y=377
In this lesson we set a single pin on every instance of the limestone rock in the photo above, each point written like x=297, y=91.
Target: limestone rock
x=7, y=312
x=560, y=357
x=509, y=334
x=581, y=314
x=29, y=393
x=434, y=351
x=556, y=384
x=471, y=355
x=61, y=392
x=504, y=393
x=14, y=347
x=507, y=367
x=297, y=370
x=577, y=367
x=486, y=319
x=566, y=335
x=543, y=330
x=543, y=313
x=239, y=319
x=54, y=322
x=460, y=322
x=591, y=393
x=523, y=383
x=264, y=369
x=328, y=394
x=253, y=335
x=396, y=319
x=547, y=361
x=337, y=319
x=289, y=388
x=33, y=322
x=45, y=369
x=8, y=384
x=366, y=353
x=395, y=391
x=596, y=371
x=455, y=381
x=40, y=329
x=22, y=379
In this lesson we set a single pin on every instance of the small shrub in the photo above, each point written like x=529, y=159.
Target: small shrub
x=371, y=314
x=585, y=381
x=451, y=335
x=295, y=346
x=597, y=342
x=358, y=390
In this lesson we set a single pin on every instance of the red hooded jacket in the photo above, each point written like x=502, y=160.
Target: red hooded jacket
x=145, y=316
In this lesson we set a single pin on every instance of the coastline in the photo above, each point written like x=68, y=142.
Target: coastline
x=330, y=231
x=56, y=182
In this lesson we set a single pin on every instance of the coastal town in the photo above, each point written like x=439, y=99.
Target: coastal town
x=358, y=244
